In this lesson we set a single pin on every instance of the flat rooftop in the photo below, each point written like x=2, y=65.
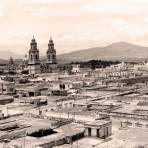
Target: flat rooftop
x=4, y=97
x=61, y=132
x=97, y=123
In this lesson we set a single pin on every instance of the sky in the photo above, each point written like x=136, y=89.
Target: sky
x=73, y=24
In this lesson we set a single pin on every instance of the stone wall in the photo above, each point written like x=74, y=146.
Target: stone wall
x=65, y=140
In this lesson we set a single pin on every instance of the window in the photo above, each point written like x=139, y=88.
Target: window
x=11, y=89
x=53, y=56
x=61, y=86
x=66, y=105
x=31, y=57
x=36, y=56
x=49, y=57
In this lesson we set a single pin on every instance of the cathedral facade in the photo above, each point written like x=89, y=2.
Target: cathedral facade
x=34, y=65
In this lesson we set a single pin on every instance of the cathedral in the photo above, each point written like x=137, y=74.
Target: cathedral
x=34, y=64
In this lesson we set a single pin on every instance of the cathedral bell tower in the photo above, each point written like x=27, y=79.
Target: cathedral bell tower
x=51, y=53
x=34, y=62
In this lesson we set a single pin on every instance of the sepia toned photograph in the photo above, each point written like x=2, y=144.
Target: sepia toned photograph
x=73, y=73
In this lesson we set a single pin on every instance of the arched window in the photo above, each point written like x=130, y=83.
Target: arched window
x=49, y=57
x=31, y=57
x=36, y=56
x=53, y=56
x=61, y=86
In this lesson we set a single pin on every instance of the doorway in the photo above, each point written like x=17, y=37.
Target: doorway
x=106, y=131
x=98, y=133
x=89, y=131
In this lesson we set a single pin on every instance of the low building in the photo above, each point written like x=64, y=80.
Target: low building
x=30, y=90
x=100, y=129
x=37, y=100
x=2, y=68
x=7, y=88
x=60, y=85
x=4, y=99
x=59, y=88
x=1, y=114
x=21, y=80
x=76, y=68
x=65, y=102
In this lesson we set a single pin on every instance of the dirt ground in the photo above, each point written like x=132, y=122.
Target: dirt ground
x=125, y=138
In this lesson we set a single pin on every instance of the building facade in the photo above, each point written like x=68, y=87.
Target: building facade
x=7, y=88
x=76, y=68
x=34, y=62
x=99, y=129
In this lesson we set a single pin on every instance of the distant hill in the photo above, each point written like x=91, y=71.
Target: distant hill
x=5, y=56
x=115, y=51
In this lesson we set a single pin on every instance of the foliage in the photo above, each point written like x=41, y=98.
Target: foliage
x=96, y=63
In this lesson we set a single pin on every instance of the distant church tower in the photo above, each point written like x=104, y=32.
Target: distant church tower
x=34, y=62
x=51, y=53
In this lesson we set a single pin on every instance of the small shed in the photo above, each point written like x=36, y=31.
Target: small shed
x=99, y=128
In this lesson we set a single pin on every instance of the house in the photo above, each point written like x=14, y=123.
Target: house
x=5, y=99
x=31, y=89
x=99, y=129
x=2, y=68
x=59, y=88
x=7, y=88
x=65, y=102
x=60, y=85
x=37, y=100
x=76, y=68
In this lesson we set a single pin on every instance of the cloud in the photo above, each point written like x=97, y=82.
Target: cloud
x=122, y=7
x=2, y=8
x=47, y=1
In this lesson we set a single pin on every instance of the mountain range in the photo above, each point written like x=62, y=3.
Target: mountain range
x=115, y=51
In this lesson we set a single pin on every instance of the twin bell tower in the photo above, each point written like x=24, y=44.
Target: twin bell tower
x=34, y=64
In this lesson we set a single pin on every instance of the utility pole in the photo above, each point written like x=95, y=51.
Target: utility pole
x=7, y=110
x=77, y=142
x=71, y=142
x=68, y=115
x=6, y=141
x=25, y=139
x=86, y=96
x=74, y=115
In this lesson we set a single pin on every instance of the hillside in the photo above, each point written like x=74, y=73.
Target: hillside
x=115, y=51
